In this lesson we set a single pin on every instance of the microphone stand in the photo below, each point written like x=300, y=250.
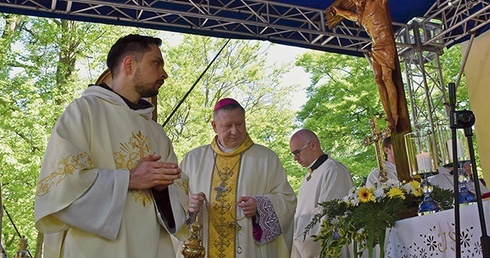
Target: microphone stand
x=465, y=119
x=452, y=125
x=484, y=239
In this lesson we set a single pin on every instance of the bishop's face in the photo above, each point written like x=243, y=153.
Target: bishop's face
x=149, y=74
x=230, y=127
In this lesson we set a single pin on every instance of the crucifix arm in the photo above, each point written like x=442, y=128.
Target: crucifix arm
x=348, y=14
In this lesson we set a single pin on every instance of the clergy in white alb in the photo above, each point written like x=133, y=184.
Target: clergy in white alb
x=255, y=171
x=374, y=179
x=234, y=172
x=326, y=179
x=444, y=180
x=83, y=205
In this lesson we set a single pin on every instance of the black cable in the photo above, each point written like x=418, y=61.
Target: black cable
x=11, y=221
x=194, y=85
x=15, y=227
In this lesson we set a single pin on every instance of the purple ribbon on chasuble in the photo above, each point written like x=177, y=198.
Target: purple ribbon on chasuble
x=265, y=223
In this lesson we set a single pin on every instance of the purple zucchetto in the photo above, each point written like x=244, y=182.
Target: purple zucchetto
x=225, y=102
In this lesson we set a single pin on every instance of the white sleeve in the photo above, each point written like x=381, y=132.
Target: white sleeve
x=373, y=179
x=100, y=209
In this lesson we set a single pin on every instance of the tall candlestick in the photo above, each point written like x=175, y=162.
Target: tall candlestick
x=424, y=162
x=459, y=148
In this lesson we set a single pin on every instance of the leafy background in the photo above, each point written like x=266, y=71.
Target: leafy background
x=46, y=63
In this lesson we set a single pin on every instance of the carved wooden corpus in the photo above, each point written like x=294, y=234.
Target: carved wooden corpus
x=374, y=16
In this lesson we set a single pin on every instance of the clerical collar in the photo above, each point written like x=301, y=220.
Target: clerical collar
x=225, y=149
x=142, y=104
x=317, y=163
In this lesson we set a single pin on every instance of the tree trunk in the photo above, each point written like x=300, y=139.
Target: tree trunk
x=39, y=245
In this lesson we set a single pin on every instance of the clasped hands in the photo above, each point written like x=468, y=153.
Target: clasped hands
x=151, y=173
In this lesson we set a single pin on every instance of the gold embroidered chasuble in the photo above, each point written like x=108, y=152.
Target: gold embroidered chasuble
x=224, y=227
x=258, y=174
x=96, y=138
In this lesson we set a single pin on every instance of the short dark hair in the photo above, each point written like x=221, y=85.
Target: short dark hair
x=133, y=45
x=387, y=142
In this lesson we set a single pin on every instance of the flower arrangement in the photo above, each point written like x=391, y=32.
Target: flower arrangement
x=364, y=215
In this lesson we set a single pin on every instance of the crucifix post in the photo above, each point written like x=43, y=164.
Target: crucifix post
x=377, y=138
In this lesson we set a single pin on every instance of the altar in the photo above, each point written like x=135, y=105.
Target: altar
x=433, y=235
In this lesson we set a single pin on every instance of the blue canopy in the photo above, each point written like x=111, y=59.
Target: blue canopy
x=290, y=22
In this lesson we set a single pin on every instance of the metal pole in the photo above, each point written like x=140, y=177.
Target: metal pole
x=194, y=85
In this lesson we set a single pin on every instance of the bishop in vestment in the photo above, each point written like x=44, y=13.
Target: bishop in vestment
x=250, y=204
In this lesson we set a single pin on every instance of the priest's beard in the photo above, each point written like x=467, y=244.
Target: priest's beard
x=143, y=88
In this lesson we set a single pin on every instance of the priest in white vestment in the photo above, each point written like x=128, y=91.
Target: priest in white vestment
x=444, y=180
x=249, y=202
x=373, y=179
x=326, y=179
x=109, y=184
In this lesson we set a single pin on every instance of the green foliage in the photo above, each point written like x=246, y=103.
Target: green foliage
x=240, y=71
x=343, y=97
x=46, y=63
x=363, y=216
x=38, y=78
x=444, y=197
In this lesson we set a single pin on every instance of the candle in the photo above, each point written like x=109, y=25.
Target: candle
x=424, y=162
x=459, y=148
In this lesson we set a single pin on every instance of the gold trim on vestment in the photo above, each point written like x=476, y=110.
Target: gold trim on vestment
x=66, y=167
x=223, y=229
x=130, y=152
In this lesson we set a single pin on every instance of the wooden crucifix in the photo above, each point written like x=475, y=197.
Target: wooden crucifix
x=374, y=17
x=376, y=137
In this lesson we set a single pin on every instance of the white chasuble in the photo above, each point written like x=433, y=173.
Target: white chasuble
x=83, y=205
x=251, y=170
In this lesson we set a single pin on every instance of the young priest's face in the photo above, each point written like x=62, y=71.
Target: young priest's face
x=230, y=127
x=149, y=74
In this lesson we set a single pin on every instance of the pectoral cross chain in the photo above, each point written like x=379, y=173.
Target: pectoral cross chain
x=219, y=189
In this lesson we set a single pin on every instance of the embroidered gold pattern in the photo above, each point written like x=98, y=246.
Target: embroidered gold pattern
x=130, y=153
x=183, y=184
x=223, y=239
x=222, y=234
x=65, y=167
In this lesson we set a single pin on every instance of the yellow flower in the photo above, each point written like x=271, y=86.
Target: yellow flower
x=396, y=192
x=417, y=192
x=365, y=194
x=415, y=184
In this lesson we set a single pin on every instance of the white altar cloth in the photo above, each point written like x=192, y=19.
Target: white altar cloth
x=433, y=235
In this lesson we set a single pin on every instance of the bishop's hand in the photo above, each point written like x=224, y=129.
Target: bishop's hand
x=248, y=205
x=195, y=202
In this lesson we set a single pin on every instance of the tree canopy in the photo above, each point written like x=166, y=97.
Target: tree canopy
x=46, y=63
